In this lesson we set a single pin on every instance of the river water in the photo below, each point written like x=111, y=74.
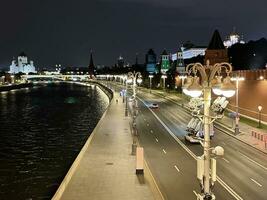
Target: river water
x=42, y=130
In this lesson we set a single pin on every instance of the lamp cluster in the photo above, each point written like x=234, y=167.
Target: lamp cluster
x=193, y=88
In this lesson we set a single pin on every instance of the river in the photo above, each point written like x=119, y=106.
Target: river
x=42, y=130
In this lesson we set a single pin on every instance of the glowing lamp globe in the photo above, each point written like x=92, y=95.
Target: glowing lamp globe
x=217, y=91
x=139, y=80
x=228, y=89
x=194, y=93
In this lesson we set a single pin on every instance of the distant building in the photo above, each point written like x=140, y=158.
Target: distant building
x=178, y=60
x=193, y=52
x=165, y=62
x=91, y=67
x=151, y=61
x=216, y=51
x=120, y=62
x=232, y=39
x=22, y=65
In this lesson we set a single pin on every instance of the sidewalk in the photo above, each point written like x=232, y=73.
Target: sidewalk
x=245, y=134
x=105, y=168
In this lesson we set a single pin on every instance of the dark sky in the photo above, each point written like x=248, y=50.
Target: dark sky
x=55, y=31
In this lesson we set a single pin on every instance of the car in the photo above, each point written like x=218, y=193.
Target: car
x=153, y=106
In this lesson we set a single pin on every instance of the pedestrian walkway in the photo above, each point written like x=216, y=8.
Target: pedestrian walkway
x=245, y=134
x=105, y=168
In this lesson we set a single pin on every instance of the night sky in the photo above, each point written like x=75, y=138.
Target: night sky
x=55, y=31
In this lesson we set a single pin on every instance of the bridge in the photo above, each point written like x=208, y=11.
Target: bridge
x=60, y=77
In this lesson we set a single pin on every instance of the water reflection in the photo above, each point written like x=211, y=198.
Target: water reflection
x=42, y=130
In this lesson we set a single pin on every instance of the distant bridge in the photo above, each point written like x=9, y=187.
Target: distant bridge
x=56, y=77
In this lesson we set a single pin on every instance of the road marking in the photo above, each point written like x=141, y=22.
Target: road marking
x=227, y=187
x=151, y=131
x=226, y=160
x=176, y=168
x=164, y=151
x=253, y=161
x=195, y=193
x=157, y=140
x=256, y=182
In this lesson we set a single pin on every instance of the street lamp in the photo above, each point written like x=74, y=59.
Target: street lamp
x=259, y=109
x=183, y=77
x=195, y=89
x=134, y=77
x=164, y=77
x=150, y=81
x=237, y=79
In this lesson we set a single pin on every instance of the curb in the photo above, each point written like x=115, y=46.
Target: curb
x=230, y=134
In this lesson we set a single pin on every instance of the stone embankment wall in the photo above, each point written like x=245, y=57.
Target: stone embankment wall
x=17, y=86
x=105, y=89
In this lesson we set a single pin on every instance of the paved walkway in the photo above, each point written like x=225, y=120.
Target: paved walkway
x=106, y=168
x=245, y=130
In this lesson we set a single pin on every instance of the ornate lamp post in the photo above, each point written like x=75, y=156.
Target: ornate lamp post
x=195, y=89
x=134, y=77
x=164, y=77
x=237, y=79
x=150, y=81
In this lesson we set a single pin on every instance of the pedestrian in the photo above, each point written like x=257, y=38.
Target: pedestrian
x=117, y=101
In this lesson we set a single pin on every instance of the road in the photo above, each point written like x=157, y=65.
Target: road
x=242, y=171
x=242, y=168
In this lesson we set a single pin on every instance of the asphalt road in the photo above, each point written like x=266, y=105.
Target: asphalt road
x=242, y=170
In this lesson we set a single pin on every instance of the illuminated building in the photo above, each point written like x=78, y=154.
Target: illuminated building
x=151, y=61
x=232, y=39
x=193, y=52
x=22, y=65
x=165, y=62
x=120, y=62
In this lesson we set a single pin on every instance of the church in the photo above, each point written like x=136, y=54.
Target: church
x=22, y=65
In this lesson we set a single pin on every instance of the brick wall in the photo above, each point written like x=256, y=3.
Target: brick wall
x=252, y=93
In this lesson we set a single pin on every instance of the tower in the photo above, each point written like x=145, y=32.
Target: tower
x=216, y=51
x=151, y=61
x=165, y=62
x=91, y=67
x=120, y=62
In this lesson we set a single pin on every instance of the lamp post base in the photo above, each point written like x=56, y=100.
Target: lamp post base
x=206, y=197
x=236, y=130
x=134, y=146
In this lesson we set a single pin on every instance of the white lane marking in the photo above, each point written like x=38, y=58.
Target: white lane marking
x=176, y=168
x=256, y=182
x=195, y=193
x=164, y=151
x=151, y=131
x=253, y=161
x=157, y=140
x=226, y=160
x=228, y=188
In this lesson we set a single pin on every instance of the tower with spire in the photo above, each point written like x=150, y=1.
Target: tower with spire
x=91, y=67
x=216, y=51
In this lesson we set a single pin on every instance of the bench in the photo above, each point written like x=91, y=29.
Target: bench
x=139, y=160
